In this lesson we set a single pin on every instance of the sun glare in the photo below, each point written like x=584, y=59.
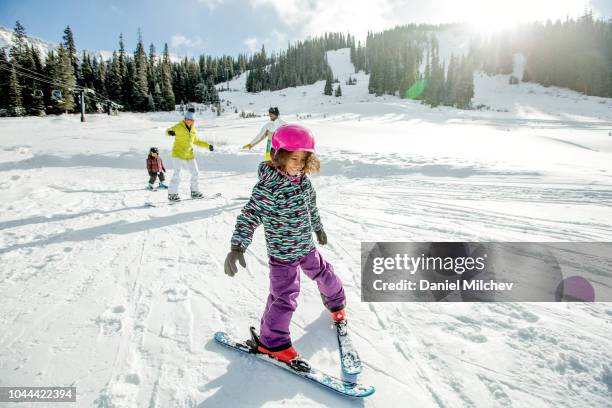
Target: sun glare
x=492, y=16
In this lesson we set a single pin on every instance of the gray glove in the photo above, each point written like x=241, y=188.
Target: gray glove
x=321, y=237
x=236, y=254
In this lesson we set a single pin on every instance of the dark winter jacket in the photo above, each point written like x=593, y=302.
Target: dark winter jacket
x=155, y=164
x=287, y=208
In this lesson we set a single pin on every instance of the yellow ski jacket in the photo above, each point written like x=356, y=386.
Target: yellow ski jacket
x=184, y=140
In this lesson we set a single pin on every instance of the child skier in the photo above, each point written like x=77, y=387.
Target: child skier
x=185, y=136
x=155, y=167
x=267, y=131
x=285, y=202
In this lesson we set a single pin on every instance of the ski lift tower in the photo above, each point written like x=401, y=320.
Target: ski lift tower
x=82, y=98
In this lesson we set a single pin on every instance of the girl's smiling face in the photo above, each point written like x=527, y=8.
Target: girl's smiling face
x=295, y=163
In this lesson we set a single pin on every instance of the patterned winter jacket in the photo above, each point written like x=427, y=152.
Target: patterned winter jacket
x=288, y=210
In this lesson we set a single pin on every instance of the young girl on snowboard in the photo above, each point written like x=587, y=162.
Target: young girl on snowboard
x=155, y=167
x=284, y=201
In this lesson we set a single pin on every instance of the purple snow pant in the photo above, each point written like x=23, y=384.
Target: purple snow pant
x=284, y=290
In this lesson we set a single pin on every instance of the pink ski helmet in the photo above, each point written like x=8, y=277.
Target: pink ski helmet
x=293, y=138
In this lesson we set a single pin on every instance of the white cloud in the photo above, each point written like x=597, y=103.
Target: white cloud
x=251, y=42
x=274, y=41
x=180, y=41
x=211, y=4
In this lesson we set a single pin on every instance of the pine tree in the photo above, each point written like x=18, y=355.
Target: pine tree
x=201, y=91
x=64, y=75
x=100, y=77
x=125, y=88
x=338, y=91
x=372, y=83
x=15, y=108
x=328, y=90
x=166, y=82
x=213, y=95
x=150, y=103
x=49, y=72
x=114, y=81
x=140, y=83
x=88, y=79
x=70, y=47
x=4, y=83
x=31, y=90
x=153, y=77
x=87, y=71
x=19, y=43
x=128, y=85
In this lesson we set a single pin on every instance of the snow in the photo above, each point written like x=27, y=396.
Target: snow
x=122, y=300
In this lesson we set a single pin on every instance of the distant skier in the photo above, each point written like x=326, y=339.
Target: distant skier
x=155, y=167
x=183, y=157
x=267, y=131
x=284, y=201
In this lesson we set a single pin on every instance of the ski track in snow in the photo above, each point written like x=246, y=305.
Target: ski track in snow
x=122, y=300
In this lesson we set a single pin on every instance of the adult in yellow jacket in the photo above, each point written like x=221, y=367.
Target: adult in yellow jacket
x=183, y=157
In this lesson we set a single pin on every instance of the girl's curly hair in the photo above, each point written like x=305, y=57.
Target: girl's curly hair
x=278, y=159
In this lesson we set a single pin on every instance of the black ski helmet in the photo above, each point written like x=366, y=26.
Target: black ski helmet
x=274, y=110
x=154, y=150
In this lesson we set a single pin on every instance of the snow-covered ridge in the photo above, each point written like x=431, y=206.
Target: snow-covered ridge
x=6, y=40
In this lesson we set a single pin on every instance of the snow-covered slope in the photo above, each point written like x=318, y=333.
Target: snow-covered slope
x=122, y=300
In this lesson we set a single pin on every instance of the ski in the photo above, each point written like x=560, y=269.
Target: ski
x=343, y=387
x=161, y=203
x=349, y=358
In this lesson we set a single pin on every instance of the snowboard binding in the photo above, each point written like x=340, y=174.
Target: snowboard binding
x=253, y=343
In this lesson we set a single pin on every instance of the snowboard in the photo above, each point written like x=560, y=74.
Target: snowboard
x=162, y=203
x=156, y=188
x=343, y=387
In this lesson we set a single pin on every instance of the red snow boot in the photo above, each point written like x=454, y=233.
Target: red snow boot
x=339, y=315
x=285, y=355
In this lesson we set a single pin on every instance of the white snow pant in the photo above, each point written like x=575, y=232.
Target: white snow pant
x=178, y=165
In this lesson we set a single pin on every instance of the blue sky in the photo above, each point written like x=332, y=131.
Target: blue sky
x=192, y=27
